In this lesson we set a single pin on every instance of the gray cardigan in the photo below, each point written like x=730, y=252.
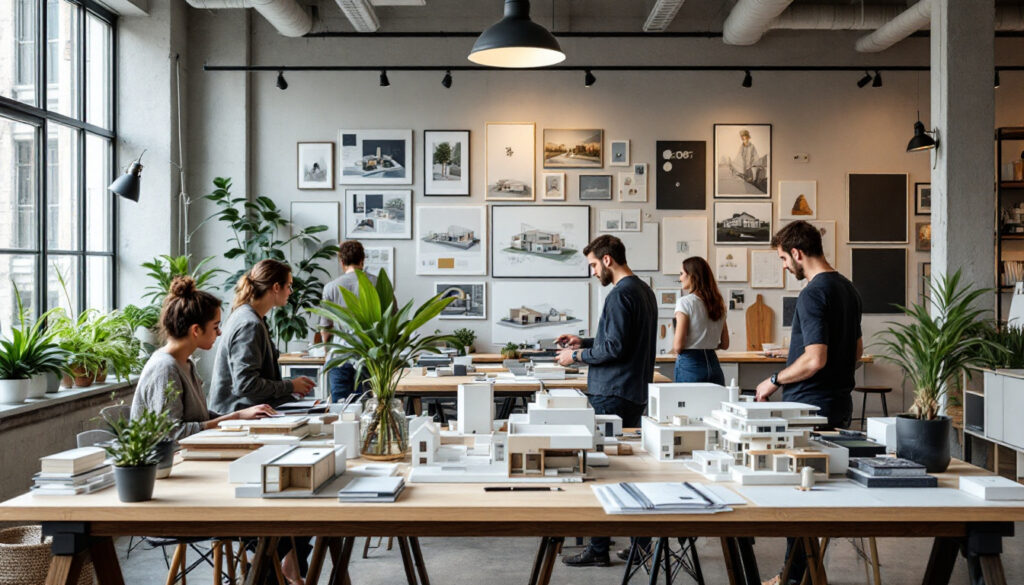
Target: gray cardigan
x=245, y=370
x=189, y=408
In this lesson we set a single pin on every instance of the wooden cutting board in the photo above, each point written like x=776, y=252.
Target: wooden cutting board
x=759, y=324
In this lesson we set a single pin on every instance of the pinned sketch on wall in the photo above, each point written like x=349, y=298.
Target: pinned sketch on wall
x=554, y=186
x=632, y=185
x=743, y=222
x=681, y=174
x=798, y=199
x=788, y=310
x=470, y=299
x=509, y=161
x=737, y=299
x=527, y=312
x=315, y=165
x=667, y=297
x=380, y=258
x=379, y=215
x=743, y=160
x=595, y=187
x=665, y=335
x=446, y=162
x=451, y=240
x=544, y=242
x=877, y=208
x=923, y=236
x=793, y=283
x=618, y=220
x=641, y=247
x=682, y=237
x=307, y=214
x=375, y=157
x=765, y=269
x=731, y=264
x=573, y=148
x=619, y=154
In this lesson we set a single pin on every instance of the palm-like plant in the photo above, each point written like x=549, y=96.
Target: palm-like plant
x=31, y=349
x=164, y=268
x=382, y=339
x=933, y=352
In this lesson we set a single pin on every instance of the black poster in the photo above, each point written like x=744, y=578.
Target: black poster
x=880, y=277
x=681, y=171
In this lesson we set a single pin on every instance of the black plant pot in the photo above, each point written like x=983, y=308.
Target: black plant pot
x=135, y=484
x=924, y=441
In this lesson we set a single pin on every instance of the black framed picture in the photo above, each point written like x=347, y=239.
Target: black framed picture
x=922, y=198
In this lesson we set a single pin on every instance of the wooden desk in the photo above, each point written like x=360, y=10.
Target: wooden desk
x=197, y=501
x=746, y=357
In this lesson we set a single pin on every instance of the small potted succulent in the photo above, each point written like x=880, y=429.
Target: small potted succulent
x=26, y=356
x=136, y=450
x=464, y=339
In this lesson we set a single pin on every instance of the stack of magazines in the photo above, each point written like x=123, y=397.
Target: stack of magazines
x=77, y=471
x=662, y=498
x=372, y=489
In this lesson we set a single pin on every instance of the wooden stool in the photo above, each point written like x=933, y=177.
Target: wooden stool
x=865, y=390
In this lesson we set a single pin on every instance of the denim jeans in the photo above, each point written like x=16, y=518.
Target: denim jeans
x=342, y=380
x=630, y=412
x=699, y=365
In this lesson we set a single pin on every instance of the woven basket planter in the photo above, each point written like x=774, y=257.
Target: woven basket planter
x=25, y=558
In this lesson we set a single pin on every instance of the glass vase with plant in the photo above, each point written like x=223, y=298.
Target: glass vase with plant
x=26, y=355
x=464, y=338
x=382, y=340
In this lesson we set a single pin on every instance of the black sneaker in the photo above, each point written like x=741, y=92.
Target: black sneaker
x=623, y=554
x=587, y=558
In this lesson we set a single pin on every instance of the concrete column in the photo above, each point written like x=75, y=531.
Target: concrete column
x=963, y=111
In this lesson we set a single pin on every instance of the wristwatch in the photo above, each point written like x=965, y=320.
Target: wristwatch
x=775, y=379
x=575, y=355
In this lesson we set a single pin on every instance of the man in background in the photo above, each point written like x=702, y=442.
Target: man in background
x=342, y=379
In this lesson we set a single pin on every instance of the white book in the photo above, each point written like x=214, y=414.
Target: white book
x=73, y=460
x=372, y=487
x=992, y=487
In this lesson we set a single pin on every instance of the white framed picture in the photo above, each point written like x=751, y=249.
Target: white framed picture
x=554, y=186
x=666, y=334
x=743, y=222
x=642, y=247
x=380, y=258
x=451, y=240
x=682, y=237
x=632, y=185
x=667, y=297
x=743, y=160
x=375, y=157
x=528, y=312
x=470, y=299
x=798, y=199
x=315, y=165
x=539, y=241
x=446, y=163
x=618, y=220
x=766, y=269
x=619, y=153
x=509, y=160
x=731, y=264
x=378, y=214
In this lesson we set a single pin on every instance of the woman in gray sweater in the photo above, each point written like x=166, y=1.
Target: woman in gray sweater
x=191, y=320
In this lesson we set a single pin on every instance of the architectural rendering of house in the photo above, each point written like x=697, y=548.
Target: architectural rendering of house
x=455, y=236
x=743, y=220
x=525, y=316
x=538, y=242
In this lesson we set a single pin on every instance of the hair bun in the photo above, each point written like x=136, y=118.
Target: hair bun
x=183, y=286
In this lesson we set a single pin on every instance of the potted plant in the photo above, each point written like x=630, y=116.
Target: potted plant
x=510, y=351
x=464, y=338
x=933, y=353
x=27, y=356
x=143, y=322
x=382, y=339
x=135, y=450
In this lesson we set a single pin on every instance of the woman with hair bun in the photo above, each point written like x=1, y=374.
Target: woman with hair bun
x=245, y=370
x=190, y=320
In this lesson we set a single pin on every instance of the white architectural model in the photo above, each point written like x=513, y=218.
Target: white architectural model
x=475, y=404
x=672, y=429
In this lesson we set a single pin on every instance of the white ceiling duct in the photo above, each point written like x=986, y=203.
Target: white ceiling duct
x=360, y=13
x=662, y=15
x=287, y=16
x=750, y=19
x=905, y=24
x=835, y=17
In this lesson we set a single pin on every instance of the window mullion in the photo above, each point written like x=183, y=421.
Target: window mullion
x=40, y=196
x=115, y=205
x=82, y=211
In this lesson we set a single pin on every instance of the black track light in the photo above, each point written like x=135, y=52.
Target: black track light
x=996, y=85
x=384, y=78
x=447, y=80
x=748, y=80
x=878, y=79
x=589, y=79
x=864, y=80
x=281, y=83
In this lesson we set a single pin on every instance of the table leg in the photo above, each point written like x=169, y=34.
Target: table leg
x=417, y=405
x=66, y=569
x=633, y=546
x=745, y=547
x=730, y=562
x=941, y=561
x=417, y=557
x=992, y=570
x=875, y=566
x=656, y=560
x=341, y=558
x=104, y=561
x=550, y=554
x=262, y=559
x=983, y=546
x=316, y=561
x=407, y=564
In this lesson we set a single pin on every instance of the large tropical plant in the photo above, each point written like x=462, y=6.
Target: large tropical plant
x=165, y=268
x=382, y=340
x=30, y=349
x=1008, y=349
x=934, y=351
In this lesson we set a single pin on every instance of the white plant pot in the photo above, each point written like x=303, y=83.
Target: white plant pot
x=13, y=391
x=146, y=335
x=37, y=386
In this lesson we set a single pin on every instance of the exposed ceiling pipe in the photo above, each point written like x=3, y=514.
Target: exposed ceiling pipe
x=835, y=17
x=361, y=14
x=905, y=24
x=287, y=16
x=662, y=15
x=750, y=19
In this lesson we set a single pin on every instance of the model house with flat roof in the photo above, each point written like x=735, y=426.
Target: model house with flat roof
x=673, y=428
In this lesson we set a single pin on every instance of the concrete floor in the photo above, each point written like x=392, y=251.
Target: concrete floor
x=501, y=561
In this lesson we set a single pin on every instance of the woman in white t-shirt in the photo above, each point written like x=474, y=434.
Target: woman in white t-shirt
x=700, y=325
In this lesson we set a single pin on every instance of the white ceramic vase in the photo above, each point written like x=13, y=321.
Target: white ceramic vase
x=37, y=386
x=14, y=391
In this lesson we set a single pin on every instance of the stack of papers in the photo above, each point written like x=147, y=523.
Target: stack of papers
x=372, y=489
x=78, y=471
x=663, y=498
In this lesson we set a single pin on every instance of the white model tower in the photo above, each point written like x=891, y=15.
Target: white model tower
x=476, y=409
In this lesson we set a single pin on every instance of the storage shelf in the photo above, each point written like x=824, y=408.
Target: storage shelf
x=1011, y=184
x=1010, y=134
x=1012, y=236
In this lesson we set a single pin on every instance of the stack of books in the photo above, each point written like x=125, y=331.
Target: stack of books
x=889, y=472
x=372, y=489
x=68, y=473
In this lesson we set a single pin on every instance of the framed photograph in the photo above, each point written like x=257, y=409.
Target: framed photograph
x=446, y=163
x=737, y=299
x=595, y=187
x=922, y=198
x=307, y=214
x=470, y=299
x=681, y=170
x=376, y=157
x=642, y=247
x=798, y=200
x=315, y=164
x=378, y=214
x=743, y=160
x=731, y=264
x=539, y=241
x=554, y=186
x=528, y=312
x=667, y=297
x=573, y=149
x=682, y=237
x=632, y=185
x=877, y=208
x=380, y=258
x=743, y=222
x=618, y=220
x=923, y=236
x=766, y=269
x=619, y=154
x=509, y=160
x=451, y=240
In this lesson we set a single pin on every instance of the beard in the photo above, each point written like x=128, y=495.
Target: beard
x=604, y=275
x=798, y=271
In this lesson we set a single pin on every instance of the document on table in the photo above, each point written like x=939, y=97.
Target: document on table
x=663, y=498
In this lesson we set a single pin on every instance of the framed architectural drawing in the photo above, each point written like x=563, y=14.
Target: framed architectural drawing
x=618, y=220
x=798, y=200
x=682, y=237
x=681, y=171
x=743, y=160
x=766, y=269
x=380, y=258
x=573, y=149
x=375, y=157
x=743, y=222
x=667, y=297
x=306, y=214
x=641, y=247
x=509, y=160
x=527, y=312
x=877, y=206
x=554, y=186
x=619, y=154
x=451, y=240
x=315, y=164
x=731, y=264
x=543, y=242
x=378, y=214
x=470, y=299
x=446, y=162
x=922, y=198
x=632, y=185
x=595, y=187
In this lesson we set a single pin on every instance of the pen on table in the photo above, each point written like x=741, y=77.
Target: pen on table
x=510, y=488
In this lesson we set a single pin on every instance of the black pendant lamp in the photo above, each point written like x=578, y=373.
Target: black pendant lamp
x=516, y=42
x=921, y=140
x=127, y=185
